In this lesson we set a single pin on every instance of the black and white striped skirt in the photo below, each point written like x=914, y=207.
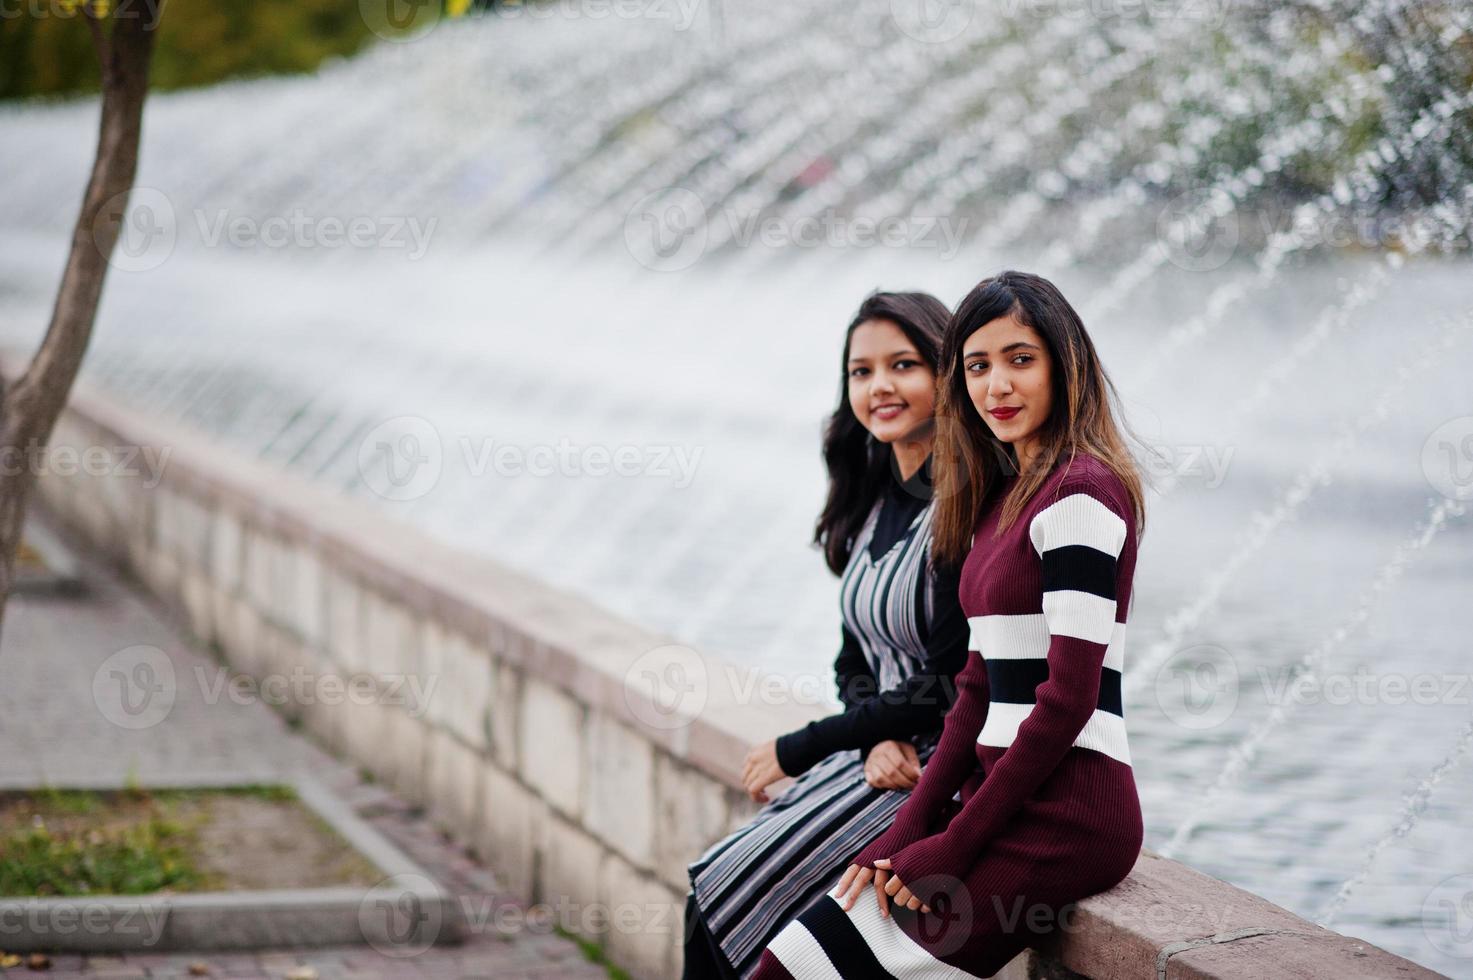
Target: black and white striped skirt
x=751, y=883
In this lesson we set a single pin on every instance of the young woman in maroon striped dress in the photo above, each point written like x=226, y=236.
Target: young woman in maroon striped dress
x=1029, y=802
x=904, y=640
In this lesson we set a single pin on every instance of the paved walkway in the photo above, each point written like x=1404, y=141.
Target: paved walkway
x=52, y=730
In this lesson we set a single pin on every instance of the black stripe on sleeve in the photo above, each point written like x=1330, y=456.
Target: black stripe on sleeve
x=841, y=941
x=1079, y=568
x=1015, y=682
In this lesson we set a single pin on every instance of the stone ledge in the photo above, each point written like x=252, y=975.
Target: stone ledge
x=1191, y=926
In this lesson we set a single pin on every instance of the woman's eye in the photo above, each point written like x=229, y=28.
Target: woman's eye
x=856, y=372
x=1022, y=359
x=977, y=367
x=903, y=364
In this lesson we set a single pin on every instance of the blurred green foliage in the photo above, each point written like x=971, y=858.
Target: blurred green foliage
x=45, y=50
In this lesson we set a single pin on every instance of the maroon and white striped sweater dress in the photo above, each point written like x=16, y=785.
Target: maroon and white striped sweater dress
x=1035, y=743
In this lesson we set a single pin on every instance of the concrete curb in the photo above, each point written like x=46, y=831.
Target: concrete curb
x=406, y=912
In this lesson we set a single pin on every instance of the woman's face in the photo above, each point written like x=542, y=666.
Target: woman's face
x=892, y=390
x=1008, y=372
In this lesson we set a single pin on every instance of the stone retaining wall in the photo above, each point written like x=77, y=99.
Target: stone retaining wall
x=533, y=738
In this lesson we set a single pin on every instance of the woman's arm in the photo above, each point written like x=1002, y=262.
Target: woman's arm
x=1079, y=539
x=953, y=761
x=916, y=705
x=799, y=751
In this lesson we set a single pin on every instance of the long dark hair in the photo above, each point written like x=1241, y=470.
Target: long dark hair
x=970, y=463
x=857, y=464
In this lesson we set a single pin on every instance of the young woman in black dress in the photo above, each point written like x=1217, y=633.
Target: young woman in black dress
x=904, y=639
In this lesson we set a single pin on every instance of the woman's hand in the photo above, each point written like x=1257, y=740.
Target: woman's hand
x=853, y=883
x=892, y=765
x=896, y=889
x=760, y=770
x=886, y=886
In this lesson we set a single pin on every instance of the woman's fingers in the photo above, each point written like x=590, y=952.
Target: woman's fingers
x=856, y=884
x=904, y=896
x=912, y=759
x=856, y=887
x=887, y=777
x=893, y=886
x=881, y=895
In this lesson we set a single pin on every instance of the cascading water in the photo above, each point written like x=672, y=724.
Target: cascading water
x=643, y=234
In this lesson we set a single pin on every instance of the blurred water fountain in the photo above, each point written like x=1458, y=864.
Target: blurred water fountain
x=1242, y=755
x=1316, y=475
x=1412, y=809
x=1104, y=150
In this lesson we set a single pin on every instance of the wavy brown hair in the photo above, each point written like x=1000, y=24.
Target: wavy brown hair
x=970, y=463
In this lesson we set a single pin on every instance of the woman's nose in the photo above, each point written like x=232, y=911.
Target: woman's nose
x=999, y=384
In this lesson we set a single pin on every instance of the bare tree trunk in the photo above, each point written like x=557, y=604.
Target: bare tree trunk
x=30, y=407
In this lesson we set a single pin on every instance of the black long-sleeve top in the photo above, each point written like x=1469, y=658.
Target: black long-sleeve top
x=918, y=704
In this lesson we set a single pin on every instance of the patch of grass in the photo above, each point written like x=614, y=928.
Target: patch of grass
x=128, y=842
x=62, y=843
x=68, y=801
x=594, y=953
x=272, y=792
